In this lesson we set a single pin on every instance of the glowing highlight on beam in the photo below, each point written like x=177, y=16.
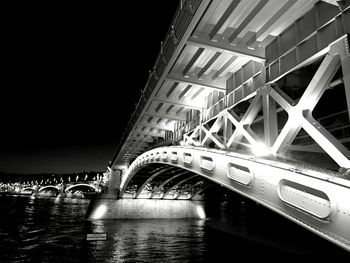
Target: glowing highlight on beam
x=260, y=149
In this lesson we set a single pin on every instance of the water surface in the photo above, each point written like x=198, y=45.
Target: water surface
x=54, y=230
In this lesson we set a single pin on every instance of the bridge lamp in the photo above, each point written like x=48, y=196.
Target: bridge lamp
x=260, y=149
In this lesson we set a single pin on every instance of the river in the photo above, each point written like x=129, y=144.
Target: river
x=55, y=230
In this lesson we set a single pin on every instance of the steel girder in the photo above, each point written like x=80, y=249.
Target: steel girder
x=299, y=116
x=314, y=199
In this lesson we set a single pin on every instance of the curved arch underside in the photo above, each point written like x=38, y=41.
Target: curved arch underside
x=163, y=181
x=28, y=189
x=317, y=199
x=81, y=185
x=48, y=187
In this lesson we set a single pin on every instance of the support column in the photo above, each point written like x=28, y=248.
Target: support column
x=342, y=47
x=270, y=118
x=114, y=180
x=227, y=130
x=345, y=63
x=62, y=189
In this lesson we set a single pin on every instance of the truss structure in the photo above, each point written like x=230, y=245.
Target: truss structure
x=227, y=130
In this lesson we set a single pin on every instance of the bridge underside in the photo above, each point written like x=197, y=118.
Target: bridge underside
x=256, y=96
x=163, y=181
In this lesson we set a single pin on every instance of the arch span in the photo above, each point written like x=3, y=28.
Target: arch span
x=96, y=189
x=314, y=198
x=28, y=189
x=48, y=187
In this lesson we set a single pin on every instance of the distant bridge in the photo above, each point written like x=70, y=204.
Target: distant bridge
x=254, y=96
x=58, y=188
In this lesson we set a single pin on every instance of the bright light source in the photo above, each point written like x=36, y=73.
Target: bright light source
x=201, y=212
x=260, y=149
x=99, y=212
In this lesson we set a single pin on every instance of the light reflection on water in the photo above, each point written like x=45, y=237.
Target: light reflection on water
x=150, y=240
x=54, y=230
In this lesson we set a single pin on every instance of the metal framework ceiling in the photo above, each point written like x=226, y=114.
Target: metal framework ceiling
x=210, y=44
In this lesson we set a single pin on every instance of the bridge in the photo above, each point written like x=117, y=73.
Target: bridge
x=78, y=185
x=253, y=96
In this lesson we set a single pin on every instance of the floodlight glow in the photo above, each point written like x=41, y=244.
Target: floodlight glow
x=260, y=149
x=99, y=212
x=200, y=212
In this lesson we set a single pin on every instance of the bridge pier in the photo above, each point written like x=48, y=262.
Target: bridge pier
x=35, y=190
x=62, y=192
x=145, y=209
x=114, y=180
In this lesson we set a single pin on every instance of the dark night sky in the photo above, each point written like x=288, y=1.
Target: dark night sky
x=71, y=77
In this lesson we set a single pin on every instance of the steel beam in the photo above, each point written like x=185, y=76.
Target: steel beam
x=223, y=18
x=315, y=199
x=270, y=118
x=223, y=45
x=155, y=126
x=312, y=94
x=183, y=103
x=166, y=116
x=192, y=61
x=205, y=83
x=247, y=20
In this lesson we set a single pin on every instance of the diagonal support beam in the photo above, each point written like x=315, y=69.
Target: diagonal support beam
x=205, y=83
x=210, y=134
x=183, y=103
x=326, y=140
x=311, y=96
x=243, y=125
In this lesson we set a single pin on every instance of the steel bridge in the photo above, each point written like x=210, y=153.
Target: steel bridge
x=252, y=95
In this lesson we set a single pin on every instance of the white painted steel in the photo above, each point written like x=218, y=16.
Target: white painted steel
x=324, y=210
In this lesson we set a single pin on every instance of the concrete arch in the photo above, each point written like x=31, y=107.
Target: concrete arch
x=48, y=187
x=279, y=186
x=78, y=185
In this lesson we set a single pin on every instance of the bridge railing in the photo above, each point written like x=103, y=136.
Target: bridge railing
x=180, y=22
